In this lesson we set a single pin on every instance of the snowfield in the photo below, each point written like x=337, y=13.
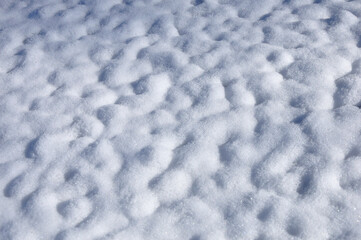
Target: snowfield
x=180, y=119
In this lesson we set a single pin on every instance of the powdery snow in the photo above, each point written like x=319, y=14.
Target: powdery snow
x=172, y=119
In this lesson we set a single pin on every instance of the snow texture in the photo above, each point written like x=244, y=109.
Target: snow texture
x=180, y=119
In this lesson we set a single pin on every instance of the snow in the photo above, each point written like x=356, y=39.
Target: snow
x=170, y=119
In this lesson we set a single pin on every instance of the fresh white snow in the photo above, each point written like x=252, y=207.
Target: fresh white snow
x=180, y=119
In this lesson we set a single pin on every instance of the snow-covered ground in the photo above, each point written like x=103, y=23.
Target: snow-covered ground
x=180, y=119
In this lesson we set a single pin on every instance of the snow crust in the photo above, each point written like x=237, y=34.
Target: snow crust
x=180, y=119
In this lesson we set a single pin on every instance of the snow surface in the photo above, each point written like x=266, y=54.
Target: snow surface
x=180, y=119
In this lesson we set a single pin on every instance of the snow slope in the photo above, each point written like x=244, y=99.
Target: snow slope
x=180, y=119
